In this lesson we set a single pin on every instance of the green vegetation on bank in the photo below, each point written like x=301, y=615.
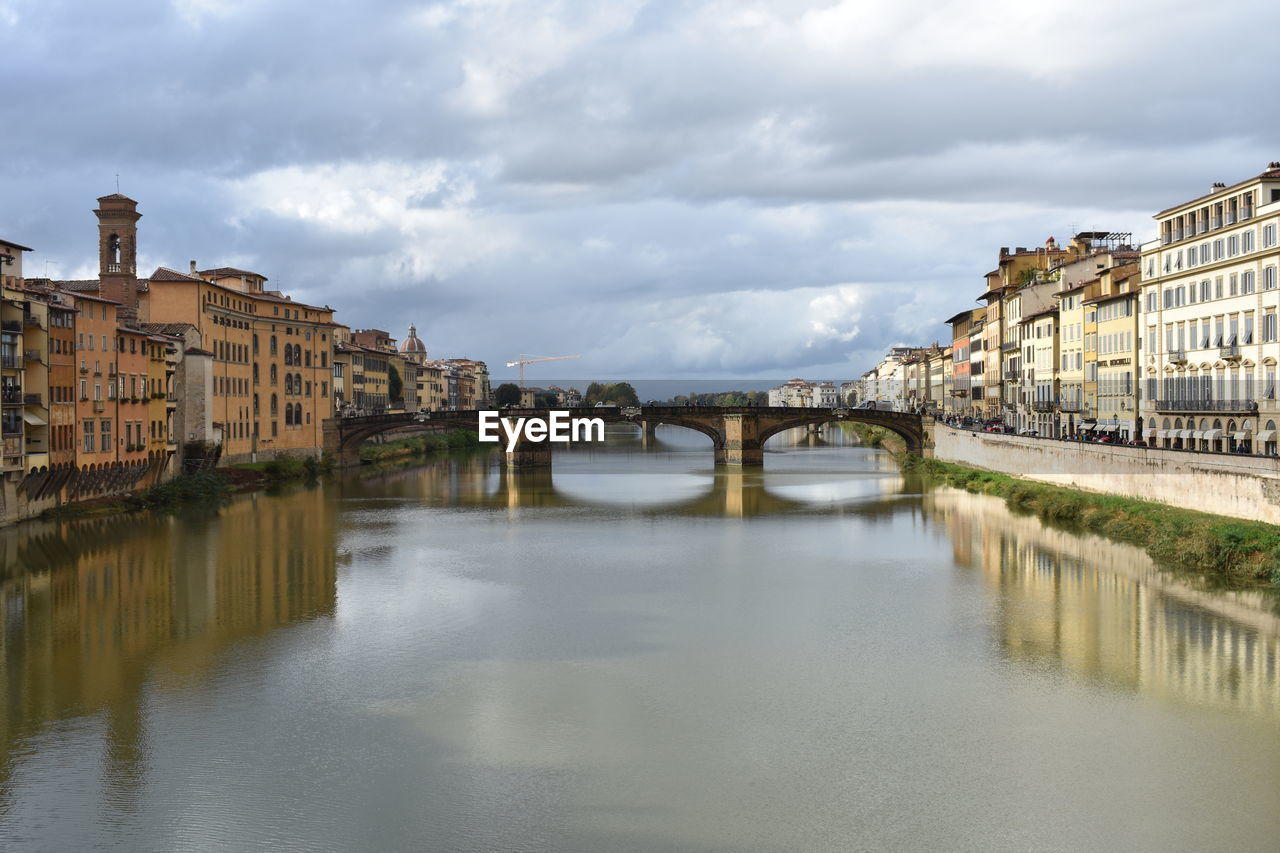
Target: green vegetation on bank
x=875, y=436
x=1227, y=551
x=419, y=445
x=284, y=468
x=208, y=487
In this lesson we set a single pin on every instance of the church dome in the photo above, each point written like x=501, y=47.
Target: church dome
x=413, y=346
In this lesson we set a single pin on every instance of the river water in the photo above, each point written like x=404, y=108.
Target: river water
x=634, y=652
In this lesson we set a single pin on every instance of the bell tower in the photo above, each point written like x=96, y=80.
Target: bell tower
x=118, y=248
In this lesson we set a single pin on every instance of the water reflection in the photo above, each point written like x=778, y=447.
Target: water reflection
x=1104, y=611
x=633, y=650
x=94, y=611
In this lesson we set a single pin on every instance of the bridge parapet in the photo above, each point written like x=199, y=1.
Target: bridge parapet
x=737, y=433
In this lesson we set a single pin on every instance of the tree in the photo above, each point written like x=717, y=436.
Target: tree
x=395, y=385
x=507, y=394
x=544, y=399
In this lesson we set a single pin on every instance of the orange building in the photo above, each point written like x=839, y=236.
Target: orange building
x=271, y=357
x=95, y=338
x=62, y=382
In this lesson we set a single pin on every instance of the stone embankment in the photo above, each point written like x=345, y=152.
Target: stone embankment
x=1225, y=484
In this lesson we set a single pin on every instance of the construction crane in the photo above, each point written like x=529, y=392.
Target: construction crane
x=531, y=359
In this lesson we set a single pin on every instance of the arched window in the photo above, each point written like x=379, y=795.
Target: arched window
x=308, y=357
x=288, y=414
x=297, y=355
x=288, y=386
x=297, y=383
x=274, y=375
x=255, y=373
x=273, y=344
x=255, y=404
x=275, y=406
x=255, y=343
x=288, y=355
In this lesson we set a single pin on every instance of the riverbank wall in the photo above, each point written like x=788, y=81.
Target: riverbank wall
x=24, y=496
x=1235, y=485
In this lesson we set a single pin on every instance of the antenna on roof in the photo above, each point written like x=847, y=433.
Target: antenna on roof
x=117, y=182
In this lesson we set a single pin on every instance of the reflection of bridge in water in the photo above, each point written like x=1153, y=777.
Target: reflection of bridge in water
x=722, y=491
x=737, y=433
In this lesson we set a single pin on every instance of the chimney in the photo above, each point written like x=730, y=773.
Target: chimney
x=1217, y=185
x=193, y=267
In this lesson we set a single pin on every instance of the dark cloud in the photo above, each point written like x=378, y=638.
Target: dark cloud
x=666, y=187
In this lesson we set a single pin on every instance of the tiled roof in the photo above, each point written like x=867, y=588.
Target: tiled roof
x=92, y=285
x=221, y=272
x=115, y=197
x=171, y=329
x=16, y=246
x=166, y=274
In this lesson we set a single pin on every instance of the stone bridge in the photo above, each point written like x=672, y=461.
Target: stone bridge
x=737, y=433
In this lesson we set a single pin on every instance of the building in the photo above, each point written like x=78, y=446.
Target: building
x=1117, y=340
x=1209, y=304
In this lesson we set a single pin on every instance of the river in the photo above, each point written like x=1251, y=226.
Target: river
x=634, y=652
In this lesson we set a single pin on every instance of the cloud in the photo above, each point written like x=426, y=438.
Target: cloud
x=670, y=188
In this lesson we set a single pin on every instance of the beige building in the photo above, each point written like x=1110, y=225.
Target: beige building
x=1209, y=306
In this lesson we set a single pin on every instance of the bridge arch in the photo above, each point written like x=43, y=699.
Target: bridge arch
x=908, y=427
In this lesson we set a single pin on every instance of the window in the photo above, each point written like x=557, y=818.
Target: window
x=1247, y=282
x=1268, y=278
x=1246, y=241
x=88, y=436
x=1268, y=236
x=1269, y=327
x=273, y=349
x=106, y=435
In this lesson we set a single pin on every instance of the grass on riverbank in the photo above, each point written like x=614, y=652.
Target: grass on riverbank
x=285, y=468
x=419, y=445
x=875, y=436
x=1229, y=551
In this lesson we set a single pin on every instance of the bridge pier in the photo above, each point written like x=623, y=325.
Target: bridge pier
x=528, y=454
x=742, y=445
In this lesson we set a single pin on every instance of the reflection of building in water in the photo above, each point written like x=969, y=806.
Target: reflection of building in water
x=95, y=610
x=1105, y=611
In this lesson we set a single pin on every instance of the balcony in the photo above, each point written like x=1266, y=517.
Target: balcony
x=1232, y=351
x=10, y=361
x=1178, y=356
x=11, y=395
x=32, y=321
x=1042, y=405
x=1070, y=406
x=32, y=400
x=1177, y=234
x=84, y=371
x=99, y=406
x=1217, y=222
x=1206, y=406
x=31, y=355
x=1013, y=375
x=1008, y=346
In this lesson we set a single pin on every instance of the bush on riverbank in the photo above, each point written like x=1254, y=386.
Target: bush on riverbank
x=419, y=445
x=1231, y=551
x=875, y=436
x=208, y=487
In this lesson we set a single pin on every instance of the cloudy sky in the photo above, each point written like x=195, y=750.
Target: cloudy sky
x=672, y=189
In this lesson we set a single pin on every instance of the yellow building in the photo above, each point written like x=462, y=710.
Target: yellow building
x=271, y=357
x=1115, y=310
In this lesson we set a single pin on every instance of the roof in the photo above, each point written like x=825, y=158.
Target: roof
x=171, y=329
x=1042, y=312
x=966, y=314
x=1271, y=173
x=92, y=285
x=96, y=298
x=12, y=245
x=222, y=272
x=115, y=197
x=166, y=274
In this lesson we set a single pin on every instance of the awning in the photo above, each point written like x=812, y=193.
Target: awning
x=33, y=418
x=1212, y=434
x=1086, y=427
x=1196, y=434
x=1266, y=435
x=1148, y=433
x=1242, y=436
x=1184, y=433
x=1162, y=433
